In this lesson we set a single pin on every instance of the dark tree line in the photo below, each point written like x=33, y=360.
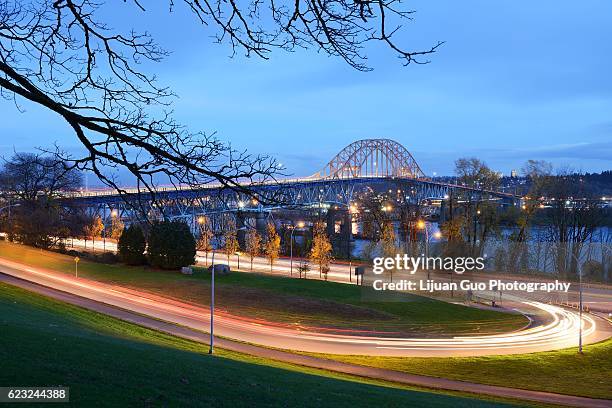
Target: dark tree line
x=560, y=209
x=31, y=187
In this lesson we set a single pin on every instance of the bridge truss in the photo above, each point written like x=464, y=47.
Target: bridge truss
x=372, y=158
x=376, y=164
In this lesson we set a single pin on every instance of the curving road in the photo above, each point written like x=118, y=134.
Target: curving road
x=597, y=298
x=558, y=330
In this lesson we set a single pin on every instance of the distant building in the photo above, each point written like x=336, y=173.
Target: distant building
x=513, y=174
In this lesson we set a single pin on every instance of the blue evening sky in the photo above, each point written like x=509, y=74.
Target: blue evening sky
x=516, y=80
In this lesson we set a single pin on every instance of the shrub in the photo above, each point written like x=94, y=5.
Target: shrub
x=171, y=245
x=108, y=258
x=593, y=270
x=131, y=245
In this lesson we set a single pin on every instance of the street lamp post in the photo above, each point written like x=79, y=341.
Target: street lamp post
x=579, y=301
x=580, y=304
x=212, y=303
x=422, y=225
x=437, y=235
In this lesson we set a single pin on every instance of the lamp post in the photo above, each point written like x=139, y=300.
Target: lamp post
x=300, y=225
x=579, y=301
x=422, y=225
x=212, y=303
x=352, y=210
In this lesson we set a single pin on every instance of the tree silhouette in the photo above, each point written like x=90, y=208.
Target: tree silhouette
x=63, y=56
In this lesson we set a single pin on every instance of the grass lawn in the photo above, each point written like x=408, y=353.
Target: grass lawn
x=107, y=362
x=310, y=303
x=563, y=371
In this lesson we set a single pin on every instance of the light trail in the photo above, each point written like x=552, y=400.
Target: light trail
x=559, y=331
x=595, y=298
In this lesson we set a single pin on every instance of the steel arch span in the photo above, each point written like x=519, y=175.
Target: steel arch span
x=379, y=164
x=372, y=158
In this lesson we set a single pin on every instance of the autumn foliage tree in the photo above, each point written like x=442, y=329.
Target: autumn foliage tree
x=253, y=244
x=320, y=252
x=272, y=244
x=231, y=245
x=93, y=229
x=116, y=228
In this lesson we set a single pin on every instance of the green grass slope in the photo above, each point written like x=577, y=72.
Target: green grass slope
x=107, y=362
x=310, y=303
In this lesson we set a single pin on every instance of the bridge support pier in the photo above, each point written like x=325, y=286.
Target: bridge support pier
x=341, y=240
x=443, y=209
x=241, y=227
x=261, y=222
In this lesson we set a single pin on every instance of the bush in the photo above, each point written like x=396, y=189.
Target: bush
x=73, y=253
x=593, y=270
x=131, y=246
x=171, y=245
x=108, y=258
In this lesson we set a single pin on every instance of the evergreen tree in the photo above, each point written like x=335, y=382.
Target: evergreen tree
x=171, y=245
x=131, y=245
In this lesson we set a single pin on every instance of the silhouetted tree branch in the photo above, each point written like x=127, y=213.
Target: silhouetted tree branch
x=63, y=56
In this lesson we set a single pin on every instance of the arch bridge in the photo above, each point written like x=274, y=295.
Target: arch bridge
x=372, y=158
x=364, y=165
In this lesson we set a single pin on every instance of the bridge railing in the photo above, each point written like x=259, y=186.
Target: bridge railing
x=209, y=186
x=212, y=186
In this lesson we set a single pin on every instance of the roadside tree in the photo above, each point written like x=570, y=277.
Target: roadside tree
x=272, y=244
x=171, y=245
x=253, y=244
x=320, y=253
x=231, y=245
x=132, y=245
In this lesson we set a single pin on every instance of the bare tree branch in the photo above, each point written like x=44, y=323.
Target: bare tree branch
x=60, y=55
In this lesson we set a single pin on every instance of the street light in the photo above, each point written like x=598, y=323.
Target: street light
x=437, y=235
x=212, y=301
x=300, y=225
x=422, y=226
x=579, y=301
